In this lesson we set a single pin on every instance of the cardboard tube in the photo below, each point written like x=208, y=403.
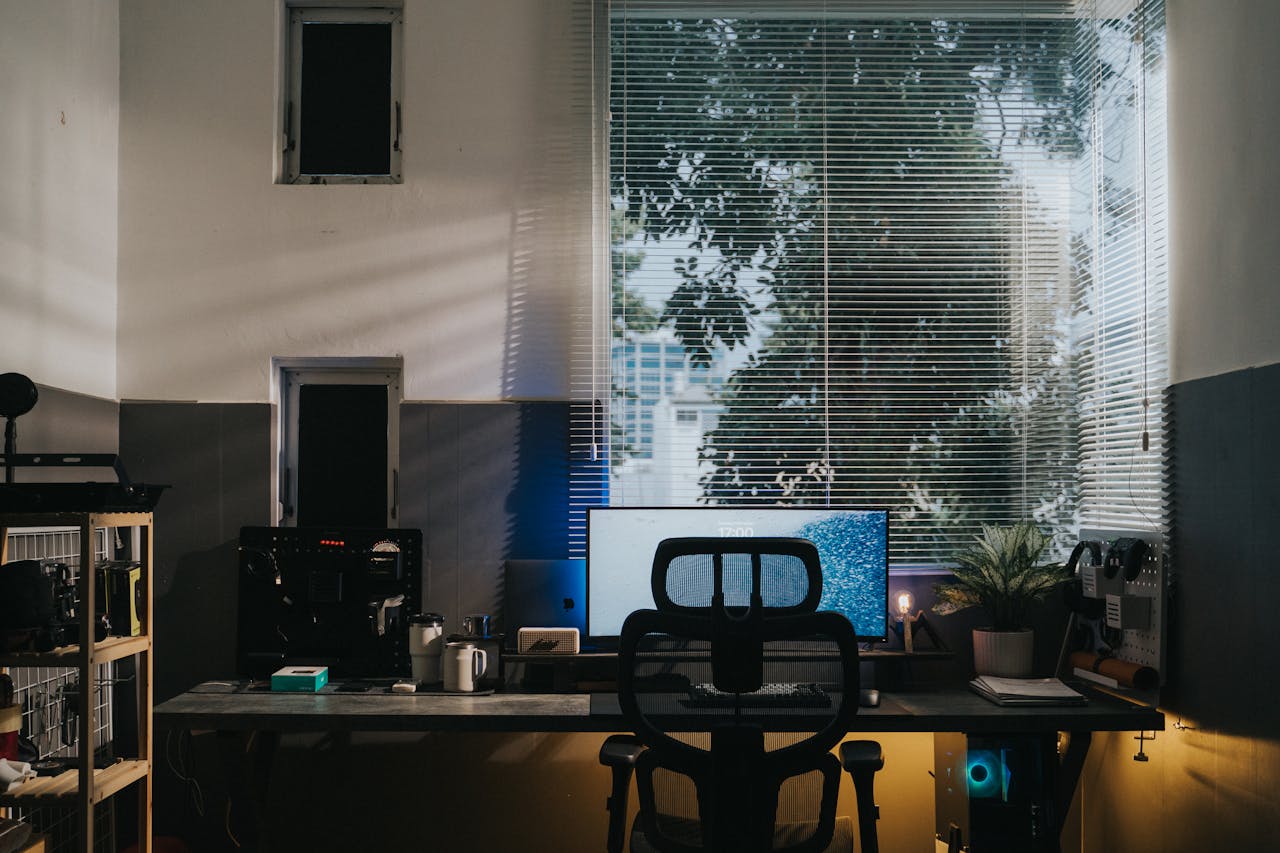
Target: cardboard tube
x=1125, y=673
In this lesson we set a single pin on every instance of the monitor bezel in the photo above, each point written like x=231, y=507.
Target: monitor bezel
x=605, y=641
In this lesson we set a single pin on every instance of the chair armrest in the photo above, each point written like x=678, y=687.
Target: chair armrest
x=864, y=755
x=863, y=759
x=621, y=751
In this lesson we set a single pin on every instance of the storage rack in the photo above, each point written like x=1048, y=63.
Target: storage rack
x=86, y=786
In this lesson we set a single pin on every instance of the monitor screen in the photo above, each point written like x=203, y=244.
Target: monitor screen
x=852, y=543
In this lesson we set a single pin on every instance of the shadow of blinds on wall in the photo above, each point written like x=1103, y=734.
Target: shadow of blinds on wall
x=858, y=255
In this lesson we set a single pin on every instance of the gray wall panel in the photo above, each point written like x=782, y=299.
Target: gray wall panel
x=1213, y=772
x=65, y=422
x=1264, y=527
x=485, y=482
x=440, y=537
x=1213, y=558
x=217, y=458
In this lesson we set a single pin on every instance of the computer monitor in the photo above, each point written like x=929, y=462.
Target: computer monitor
x=853, y=545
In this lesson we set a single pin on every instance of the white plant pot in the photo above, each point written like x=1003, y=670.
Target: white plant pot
x=1003, y=653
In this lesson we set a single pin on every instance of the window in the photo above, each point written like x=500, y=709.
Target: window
x=923, y=249
x=342, y=117
x=339, y=434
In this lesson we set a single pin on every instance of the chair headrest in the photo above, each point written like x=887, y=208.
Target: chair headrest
x=774, y=575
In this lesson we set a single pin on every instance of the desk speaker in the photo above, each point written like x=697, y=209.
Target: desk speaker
x=547, y=641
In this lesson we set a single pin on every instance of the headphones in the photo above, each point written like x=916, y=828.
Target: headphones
x=1094, y=549
x=1126, y=553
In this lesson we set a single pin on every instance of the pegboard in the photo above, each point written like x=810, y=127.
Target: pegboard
x=1145, y=646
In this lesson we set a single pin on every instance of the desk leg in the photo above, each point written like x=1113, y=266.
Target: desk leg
x=1069, y=769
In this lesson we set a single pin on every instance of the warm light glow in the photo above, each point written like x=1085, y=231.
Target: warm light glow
x=905, y=602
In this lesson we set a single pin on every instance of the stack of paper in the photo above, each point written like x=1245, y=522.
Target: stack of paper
x=1026, y=691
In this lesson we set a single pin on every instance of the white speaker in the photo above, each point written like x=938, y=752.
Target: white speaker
x=547, y=641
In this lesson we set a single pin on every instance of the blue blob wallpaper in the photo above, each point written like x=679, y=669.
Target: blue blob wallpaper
x=854, y=548
x=853, y=545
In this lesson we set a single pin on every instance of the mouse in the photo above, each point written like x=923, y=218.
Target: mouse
x=869, y=697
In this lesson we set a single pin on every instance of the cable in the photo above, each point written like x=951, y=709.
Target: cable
x=231, y=834
x=180, y=769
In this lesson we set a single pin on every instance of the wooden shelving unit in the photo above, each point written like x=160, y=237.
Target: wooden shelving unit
x=111, y=649
x=86, y=786
x=64, y=788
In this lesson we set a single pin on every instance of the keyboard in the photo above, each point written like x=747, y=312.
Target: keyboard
x=771, y=695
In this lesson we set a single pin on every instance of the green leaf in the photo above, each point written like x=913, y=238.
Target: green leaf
x=1000, y=572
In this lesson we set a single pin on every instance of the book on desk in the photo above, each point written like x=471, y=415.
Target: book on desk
x=1026, y=691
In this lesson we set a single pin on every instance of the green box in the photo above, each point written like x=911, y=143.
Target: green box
x=300, y=679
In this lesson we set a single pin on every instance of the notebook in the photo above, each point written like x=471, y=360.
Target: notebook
x=1026, y=691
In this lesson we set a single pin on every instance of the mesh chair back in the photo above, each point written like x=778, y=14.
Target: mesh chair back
x=689, y=572
x=736, y=649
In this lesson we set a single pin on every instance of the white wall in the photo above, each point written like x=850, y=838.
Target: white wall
x=469, y=269
x=59, y=113
x=1224, y=120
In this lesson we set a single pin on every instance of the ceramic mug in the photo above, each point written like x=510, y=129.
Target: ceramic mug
x=463, y=664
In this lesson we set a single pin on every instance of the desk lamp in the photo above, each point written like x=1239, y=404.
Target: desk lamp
x=906, y=602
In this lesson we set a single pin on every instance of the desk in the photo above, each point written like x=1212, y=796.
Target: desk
x=952, y=710
x=935, y=711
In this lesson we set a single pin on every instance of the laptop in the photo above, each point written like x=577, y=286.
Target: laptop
x=544, y=594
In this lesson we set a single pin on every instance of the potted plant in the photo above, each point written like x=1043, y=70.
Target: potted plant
x=1001, y=572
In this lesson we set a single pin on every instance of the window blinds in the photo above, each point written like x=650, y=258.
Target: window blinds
x=1122, y=217
x=864, y=255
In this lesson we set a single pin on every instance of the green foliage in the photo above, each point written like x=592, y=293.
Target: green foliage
x=629, y=311
x=884, y=320
x=1000, y=572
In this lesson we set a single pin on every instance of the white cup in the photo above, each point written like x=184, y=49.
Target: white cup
x=463, y=665
x=426, y=641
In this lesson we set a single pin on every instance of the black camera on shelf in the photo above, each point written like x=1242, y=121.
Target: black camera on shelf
x=39, y=604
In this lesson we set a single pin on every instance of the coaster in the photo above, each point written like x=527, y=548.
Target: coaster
x=438, y=690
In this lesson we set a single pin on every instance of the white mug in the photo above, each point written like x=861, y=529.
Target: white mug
x=463, y=665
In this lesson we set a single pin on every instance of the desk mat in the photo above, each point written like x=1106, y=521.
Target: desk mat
x=362, y=687
x=605, y=704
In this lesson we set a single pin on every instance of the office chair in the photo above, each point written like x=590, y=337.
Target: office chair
x=735, y=649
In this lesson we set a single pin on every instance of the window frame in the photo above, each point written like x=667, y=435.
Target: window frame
x=290, y=374
x=291, y=115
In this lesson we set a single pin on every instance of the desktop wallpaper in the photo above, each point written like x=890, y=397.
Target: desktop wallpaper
x=852, y=544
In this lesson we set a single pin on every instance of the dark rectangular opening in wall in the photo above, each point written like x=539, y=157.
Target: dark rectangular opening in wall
x=342, y=455
x=346, y=99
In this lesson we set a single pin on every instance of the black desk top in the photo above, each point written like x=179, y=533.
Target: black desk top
x=953, y=710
